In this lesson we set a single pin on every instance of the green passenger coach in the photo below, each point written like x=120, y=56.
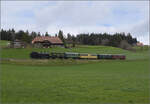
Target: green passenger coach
x=71, y=55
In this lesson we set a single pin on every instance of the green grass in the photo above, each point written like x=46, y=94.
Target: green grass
x=103, y=82
x=49, y=62
x=3, y=43
x=24, y=53
x=26, y=81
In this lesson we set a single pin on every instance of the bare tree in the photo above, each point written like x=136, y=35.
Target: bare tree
x=105, y=42
x=125, y=45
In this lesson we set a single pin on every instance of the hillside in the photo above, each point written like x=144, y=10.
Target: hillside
x=3, y=43
x=79, y=81
x=24, y=53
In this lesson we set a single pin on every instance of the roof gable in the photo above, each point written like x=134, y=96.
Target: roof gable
x=53, y=40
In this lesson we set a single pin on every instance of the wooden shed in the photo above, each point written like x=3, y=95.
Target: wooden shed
x=17, y=44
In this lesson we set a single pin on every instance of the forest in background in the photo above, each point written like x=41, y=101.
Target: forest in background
x=116, y=40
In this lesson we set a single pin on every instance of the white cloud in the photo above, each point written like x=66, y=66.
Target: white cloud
x=76, y=16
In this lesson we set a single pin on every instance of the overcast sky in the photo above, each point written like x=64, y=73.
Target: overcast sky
x=78, y=17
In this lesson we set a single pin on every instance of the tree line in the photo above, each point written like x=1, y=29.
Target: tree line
x=24, y=36
x=106, y=39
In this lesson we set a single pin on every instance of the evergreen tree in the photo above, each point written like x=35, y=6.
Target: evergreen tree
x=55, y=35
x=39, y=34
x=19, y=35
x=73, y=41
x=69, y=38
x=33, y=35
x=13, y=34
x=60, y=35
x=46, y=34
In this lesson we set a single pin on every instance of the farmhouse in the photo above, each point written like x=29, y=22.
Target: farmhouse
x=139, y=44
x=46, y=41
x=17, y=44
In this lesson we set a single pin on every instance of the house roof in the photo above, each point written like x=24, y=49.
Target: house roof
x=139, y=44
x=53, y=40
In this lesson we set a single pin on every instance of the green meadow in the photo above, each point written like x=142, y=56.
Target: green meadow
x=24, y=53
x=26, y=81
x=3, y=43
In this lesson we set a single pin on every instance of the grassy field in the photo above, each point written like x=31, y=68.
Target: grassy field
x=103, y=82
x=24, y=53
x=26, y=81
x=4, y=43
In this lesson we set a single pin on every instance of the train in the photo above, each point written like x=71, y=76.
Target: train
x=72, y=55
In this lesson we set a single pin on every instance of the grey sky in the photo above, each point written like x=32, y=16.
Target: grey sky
x=78, y=16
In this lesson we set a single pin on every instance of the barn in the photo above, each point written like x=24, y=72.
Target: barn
x=47, y=41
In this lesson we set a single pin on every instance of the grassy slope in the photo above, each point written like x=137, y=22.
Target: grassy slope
x=75, y=81
x=24, y=53
x=109, y=82
x=3, y=43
